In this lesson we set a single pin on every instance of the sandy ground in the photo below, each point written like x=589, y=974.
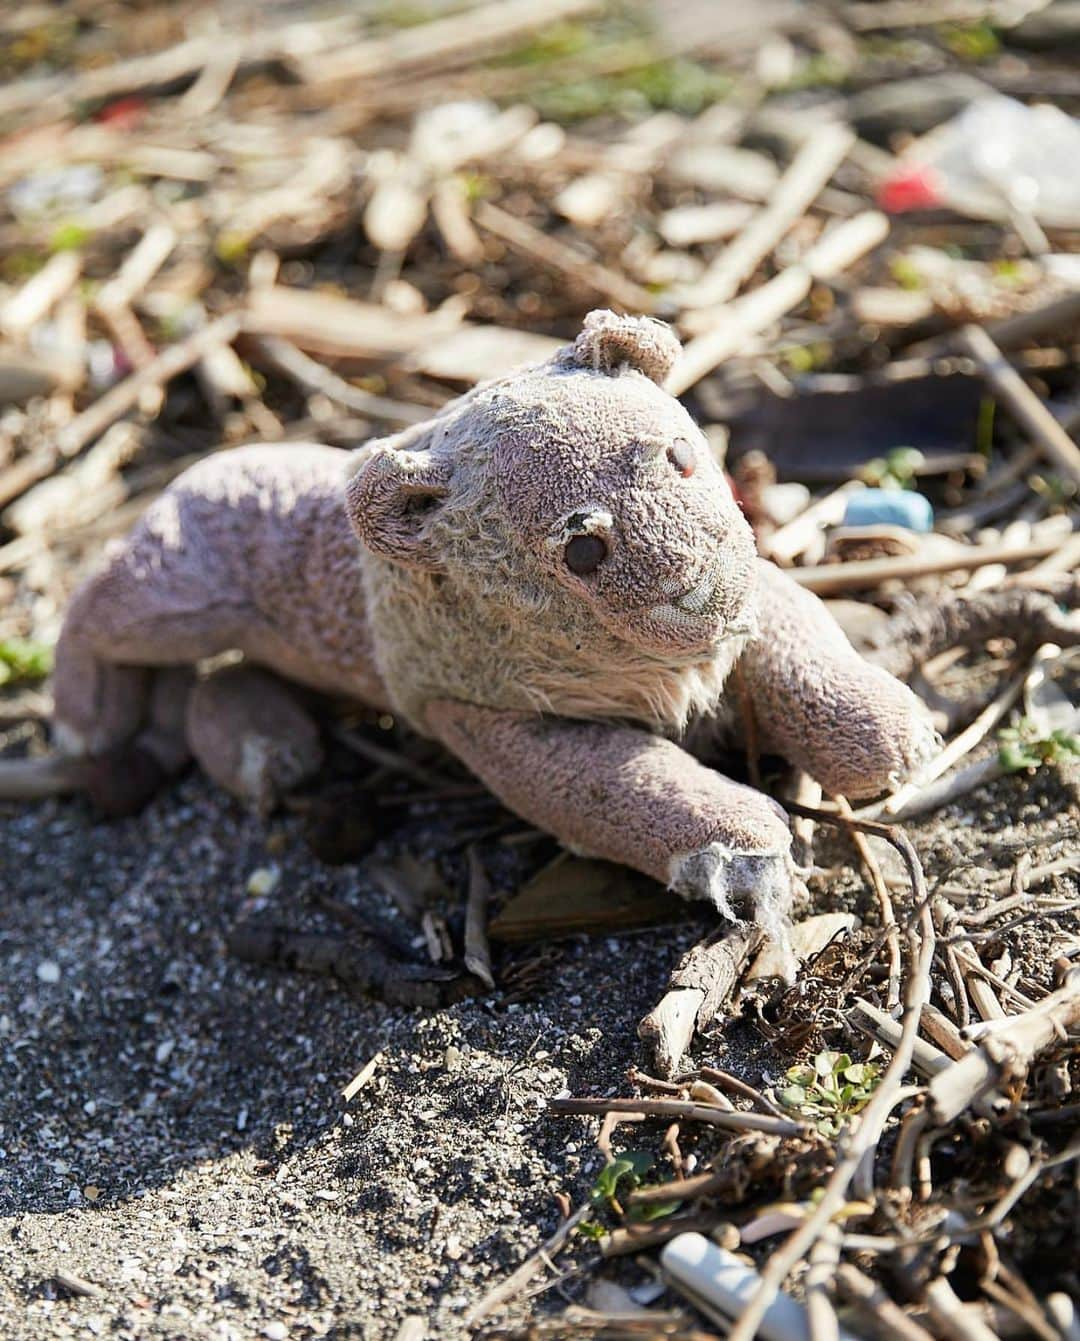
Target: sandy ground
x=171, y=1123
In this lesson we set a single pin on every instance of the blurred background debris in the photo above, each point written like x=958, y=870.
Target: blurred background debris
x=238, y=221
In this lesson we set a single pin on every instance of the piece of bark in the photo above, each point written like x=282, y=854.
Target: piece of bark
x=700, y=984
x=576, y=894
x=808, y=938
x=1026, y=617
x=362, y=969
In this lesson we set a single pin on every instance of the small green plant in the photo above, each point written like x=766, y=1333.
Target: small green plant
x=970, y=41
x=622, y=1174
x=629, y=1168
x=898, y=469
x=1025, y=746
x=22, y=660
x=906, y=273
x=831, y=1091
x=69, y=237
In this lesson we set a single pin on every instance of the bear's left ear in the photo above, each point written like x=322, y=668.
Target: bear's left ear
x=389, y=500
x=608, y=343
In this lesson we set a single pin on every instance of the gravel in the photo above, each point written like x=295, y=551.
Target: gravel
x=172, y=1131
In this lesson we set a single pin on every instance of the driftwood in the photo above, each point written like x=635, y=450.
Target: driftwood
x=1005, y=1052
x=1027, y=618
x=700, y=984
x=363, y=969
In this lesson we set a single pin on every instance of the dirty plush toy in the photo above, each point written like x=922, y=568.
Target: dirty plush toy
x=551, y=578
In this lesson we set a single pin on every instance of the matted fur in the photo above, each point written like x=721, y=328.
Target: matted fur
x=493, y=622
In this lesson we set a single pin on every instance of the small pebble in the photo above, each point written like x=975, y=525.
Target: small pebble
x=47, y=971
x=275, y=1331
x=263, y=881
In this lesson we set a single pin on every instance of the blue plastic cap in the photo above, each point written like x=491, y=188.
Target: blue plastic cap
x=889, y=507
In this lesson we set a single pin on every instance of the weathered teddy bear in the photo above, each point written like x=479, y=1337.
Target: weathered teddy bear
x=552, y=579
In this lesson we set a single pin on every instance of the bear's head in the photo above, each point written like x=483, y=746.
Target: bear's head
x=575, y=504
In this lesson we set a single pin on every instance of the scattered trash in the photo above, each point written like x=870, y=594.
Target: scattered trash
x=889, y=507
x=996, y=158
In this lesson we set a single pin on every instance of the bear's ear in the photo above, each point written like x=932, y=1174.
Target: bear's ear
x=609, y=342
x=390, y=497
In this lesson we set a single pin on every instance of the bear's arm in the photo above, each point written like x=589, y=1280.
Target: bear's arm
x=817, y=702
x=621, y=793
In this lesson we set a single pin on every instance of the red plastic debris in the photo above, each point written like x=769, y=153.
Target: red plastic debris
x=911, y=188
x=124, y=114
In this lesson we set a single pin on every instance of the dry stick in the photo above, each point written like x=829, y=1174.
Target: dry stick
x=698, y=987
x=518, y=1280
x=1064, y=560
x=125, y=395
x=549, y=251
x=1006, y=383
x=635, y=1238
x=869, y=1019
x=794, y=193
x=912, y=1126
x=828, y=579
x=379, y=754
x=753, y=312
x=944, y=1034
x=994, y=712
x=679, y=1189
x=461, y=36
x=40, y=294
x=888, y=916
x=786, y=544
x=872, y=1300
x=1004, y=1055
x=683, y=1109
x=353, y=1088
x=313, y=376
x=820, y=1314
x=477, y=949
x=872, y=1121
x=982, y=994
x=954, y=1321
x=737, y=1086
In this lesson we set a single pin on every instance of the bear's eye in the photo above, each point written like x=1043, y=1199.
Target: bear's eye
x=584, y=554
x=682, y=456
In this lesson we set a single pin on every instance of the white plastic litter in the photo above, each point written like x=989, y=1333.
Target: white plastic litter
x=996, y=159
x=721, y=1286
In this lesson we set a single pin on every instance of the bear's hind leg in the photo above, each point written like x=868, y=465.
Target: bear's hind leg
x=251, y=734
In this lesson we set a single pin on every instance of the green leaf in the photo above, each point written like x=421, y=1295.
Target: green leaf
x=793, y=1097
x=24, y=660
x=632, y=1165
x=655, y=1210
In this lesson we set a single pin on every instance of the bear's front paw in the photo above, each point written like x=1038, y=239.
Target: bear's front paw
x=755, y=884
